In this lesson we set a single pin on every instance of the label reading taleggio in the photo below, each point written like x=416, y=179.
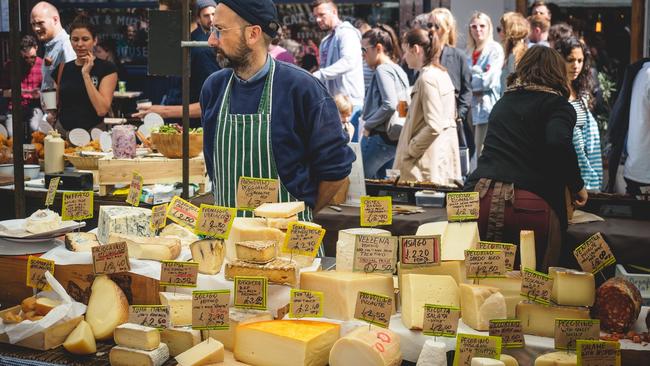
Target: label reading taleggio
x=303, y=239
x=510, y=251
x=155, y=316
x=376, y=211
x=374, y=309
x=374, y=253
x=135, y=190
x=462, y=206
x=484, y=263
x=469, y=346
x=536, y=286
x=598, y=353
x=77, y=205
x=36, y=268
x=252, y=192
x=178, y=274
x=215, y=221
x=594, y=254
x=303, y=303
x=419, y=251
x=183, y=212
x=51, y=191
x=210, y=310
x=111, y=258
x=568, y=331
x=440, y=320
x=159, y=216
x=250, y=292
x=510, y=331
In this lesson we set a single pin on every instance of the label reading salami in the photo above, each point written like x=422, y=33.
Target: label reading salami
x=135, y=190
x=594, y=254
x=250, y=292
x=303, y=303
x=440, y=320
x=419, y=251
x=215, y=221
x=252, y=192
x=510, y=251
x=51, y=191
x=568, y=331
x=374, y=253
x=111, y=258
x=484, y=263
x=510, y=331
x=159, y=216
x=469, y=346
x=374, y=309
x=210, y=310
x=462, y=206
x=598, y=353
x=36, y=268
x=155, y=316
x=183, y=213
x=376, y=211
x=77, y=205
x=536, y=286
x=179, y=274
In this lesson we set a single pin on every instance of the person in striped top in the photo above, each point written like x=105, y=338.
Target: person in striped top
x=586, y=137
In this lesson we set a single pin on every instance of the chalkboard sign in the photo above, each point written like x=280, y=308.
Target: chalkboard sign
x=165, y=54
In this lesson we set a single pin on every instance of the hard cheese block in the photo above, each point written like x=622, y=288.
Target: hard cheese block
x=281, y=223
x=279, y=271
x=180, y=340
x=418, y=290
x=455, y=237
x=123, y=356
x=279, y=210
x=527, y=249
x=209, y=254
x=158, y=248
x=480, y=304
x=248, y=228
x=539, y=320
x=340, y=289
x=345, y=245
x=367, y=347
x=483, y=361
x=107, y=307
x=509, y=287
x=573, y=288
x=561, y=358
x=123, y=220
x=80, y=242
x=137, y=336
x=286, y=342
x=180, y=307
x=236, y=317
x=186, y=236
x=81, y=341
x=433, y=354
x=455, y=269
x=256, y=251
x=205, y=353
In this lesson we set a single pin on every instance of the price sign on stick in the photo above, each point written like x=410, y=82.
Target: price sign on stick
x=135, y=190
x=594, y=254
x=469, y=346
x=568, y=331
x=159, y=216
x=250, y=292
x=483, y=263
x=111, y=258
x=303, y=303
x=536, y=286
x=376, y=211
x=181, y=274
x=374, y=309
x=252, y=192
x=510, y=331
x=374, y=253
x=303, y=239
x=51, y=191
x=183, y=212
x=215, y=221
x=440, y=320
x=419, y=251
x=36, y=268
x=462, y=206
x=155, y=316
x=77, y=205
x=598, y=353
x=210, y=310
x=510, y=251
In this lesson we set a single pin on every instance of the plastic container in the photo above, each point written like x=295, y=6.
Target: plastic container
x=30, y=156
x=54, y=149
x=430, y=199
x=124, y=144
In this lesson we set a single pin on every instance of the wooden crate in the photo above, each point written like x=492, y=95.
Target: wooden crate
x=153, y=171
x=51, y=337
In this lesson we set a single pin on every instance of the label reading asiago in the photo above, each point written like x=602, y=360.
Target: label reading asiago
x=568, y=331
x=210, y=310
x=594, y=254
x=374, y=253
x=440, y=320
x=252, y=192
x=111, y=258
x=469, y=346
x=419, y=251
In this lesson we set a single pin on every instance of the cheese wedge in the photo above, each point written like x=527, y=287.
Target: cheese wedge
x=281, y=223
x=137, y=336
x=484, y=361
x=180, y=340
x=455, y=269
x=236, y=317
x=433, y=354
x=508, y=360
x=527, y=255
x=123, y=356
x=256, y=251
x=247, y=228
x=81, y=341
x=458, y=237
x=480, y=304
x=574, y=288
x=418, y=290
x=158, y=248
x=44, y=305
x=123, y=220
x=345, y=245
x=80, y=242
x=539, y=320
x=205, y=353
x=279, y=271
x=509, y=287
x=560, y=358
x=279, y=210
x=180, y=308
x=209, y=253
x=367, y=347
x=174, y=230
x=286, y=342
x=107, y=307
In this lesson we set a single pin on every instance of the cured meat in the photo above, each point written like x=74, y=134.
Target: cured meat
x=618, y=304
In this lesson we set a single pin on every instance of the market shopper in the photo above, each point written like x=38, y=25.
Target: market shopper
x=268, y=119
x=539, y=27
x=513, y=30
x=428, y=146
x=528, y=161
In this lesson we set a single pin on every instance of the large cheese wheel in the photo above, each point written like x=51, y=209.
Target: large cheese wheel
x=618, y=304
x=367, y=347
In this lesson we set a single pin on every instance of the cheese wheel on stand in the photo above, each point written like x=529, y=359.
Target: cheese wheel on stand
x=367, y=347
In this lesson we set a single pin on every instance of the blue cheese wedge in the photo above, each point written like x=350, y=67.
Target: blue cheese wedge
x=123, y=220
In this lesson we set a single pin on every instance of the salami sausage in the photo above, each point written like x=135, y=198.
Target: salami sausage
x=618, y=303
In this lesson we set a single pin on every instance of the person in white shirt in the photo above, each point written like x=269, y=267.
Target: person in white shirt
x=637, y=165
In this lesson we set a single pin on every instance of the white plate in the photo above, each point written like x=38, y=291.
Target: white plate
x=44, y=127
x=3, y=130
x=145, y=130
x=14, y=230
x=9, y=247
x=105, y=142
x=114, y=121
x=153, y=120
x=79, y=137
x=95, y=133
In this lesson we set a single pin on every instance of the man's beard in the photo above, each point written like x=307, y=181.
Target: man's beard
x=239, y=61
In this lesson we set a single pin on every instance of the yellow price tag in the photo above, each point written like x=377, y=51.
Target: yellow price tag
x=135, y=190
x=36, y=268
x=376, y=211
x=77, y=205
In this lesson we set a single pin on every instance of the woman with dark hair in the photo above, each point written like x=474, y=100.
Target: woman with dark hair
x=86, y=84
x=106, y=50
x=428, y=147
x=529, y=161
x=388, y=86
x=586, y=136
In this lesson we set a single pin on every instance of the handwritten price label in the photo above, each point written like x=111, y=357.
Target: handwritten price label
x=462, y=206
x=374, y=309
x=568, y=331
x=376, y=211
x=155, y=316
x=303, y=303
x=594, y=254
x=374, y=253
x=483, y=263
x=510, y=251
x=36, y=268
x=135, y=190
x=215, y=221
x=179, y=274
x=183, y=212
x=598, y=353
x=111, y=258
x=159, y=216
x=210, y=310
x=250, y=292
x=510, y=331
x=51, y=191
x=419, y=251
x=252, y=192
x=440, y=320
x=536, y=286
x=303, y=239
x=469, y=346
x=77, y=205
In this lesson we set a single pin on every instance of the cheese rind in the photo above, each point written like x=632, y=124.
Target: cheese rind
x=180, y=340
x=280, y=209
x=158, y=248
x=560, y=358
x=80, y=242
x=367, y=347
x=137, y=336
x=107, y=307
x=248, y=228
x=346, y=242
x=81, y=340
x=180, y=307
x=236, y=317
x=483, y=361
x=573, y=288
x=527, y=255
x=123, y=220
x=340, y=289
x=123, y=356
x=418, y=290
x=480, y=304
x=209, y=254
x=256, y=251
x=539, y=320
x=185, y=235
x=207, y=352
x=279, y=271
x=509, y=287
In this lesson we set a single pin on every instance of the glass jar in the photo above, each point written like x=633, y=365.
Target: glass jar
x=30, y=156
x=124, y=143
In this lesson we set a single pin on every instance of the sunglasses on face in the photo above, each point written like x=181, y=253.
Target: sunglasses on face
x=477, y=26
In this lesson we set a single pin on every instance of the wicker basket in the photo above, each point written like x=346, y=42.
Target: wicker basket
x=171, y=145
x=83, y=162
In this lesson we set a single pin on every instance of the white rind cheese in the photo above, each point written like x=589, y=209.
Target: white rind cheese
x=137, y=336
x=123, y=220
x=123, y=356
x=345, y=245
x=433, y=354
x=367, y=347
x=158, y=248
x=209, y=254
x=418, y=289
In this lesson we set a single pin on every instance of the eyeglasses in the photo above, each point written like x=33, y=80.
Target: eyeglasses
x=433, y=25
x=217, y=31
x=476, y=26
x=365, y=49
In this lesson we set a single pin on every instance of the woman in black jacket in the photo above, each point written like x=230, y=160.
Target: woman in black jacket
x=528, y=162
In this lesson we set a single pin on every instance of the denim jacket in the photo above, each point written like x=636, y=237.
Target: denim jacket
x=486, y=81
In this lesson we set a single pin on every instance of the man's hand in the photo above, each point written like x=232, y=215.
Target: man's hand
x=581, y=198
x=326, y=191
x=143, y=111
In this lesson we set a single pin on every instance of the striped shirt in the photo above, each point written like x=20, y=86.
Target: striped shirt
x=586, y=141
